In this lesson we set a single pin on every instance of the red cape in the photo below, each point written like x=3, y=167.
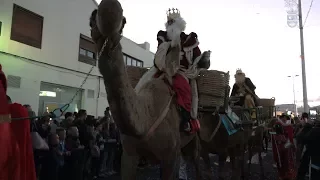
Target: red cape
x=21, y=131
x=9, y=154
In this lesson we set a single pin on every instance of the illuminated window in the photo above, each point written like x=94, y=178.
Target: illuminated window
x=48, y=93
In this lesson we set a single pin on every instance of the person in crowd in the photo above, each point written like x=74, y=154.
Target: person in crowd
x=300, y=137
x=72, y=140
x=54, y=124
x=62, y=150
x=311, y=140
x=74, y=163
x=68, y=114
x=42, y=126
x=283, y=148
x=112, y=146
x=51, y=164
x=99, y=144
x=68, y=122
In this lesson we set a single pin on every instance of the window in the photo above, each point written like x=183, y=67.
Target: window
x=133, y=62
x=87, y=51
x=130, y=61
x=139, y=63
x=125, y=59
x=26, y=27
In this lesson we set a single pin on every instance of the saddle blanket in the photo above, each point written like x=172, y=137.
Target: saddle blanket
x=228, y=124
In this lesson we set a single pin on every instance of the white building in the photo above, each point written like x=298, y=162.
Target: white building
x=46, y=52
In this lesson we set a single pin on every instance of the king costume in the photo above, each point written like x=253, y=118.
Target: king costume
x=243, y=88
x=189, y=53
x=283, y=149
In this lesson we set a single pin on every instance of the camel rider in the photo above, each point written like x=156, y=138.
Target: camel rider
x=245, y=90
x=175, y=26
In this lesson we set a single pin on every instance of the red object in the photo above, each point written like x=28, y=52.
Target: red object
x=195, y=125
x=284, y=157
x=4, y=110
x=9, y=149
x=9, y=154
x=183, y=91
x=21, y=130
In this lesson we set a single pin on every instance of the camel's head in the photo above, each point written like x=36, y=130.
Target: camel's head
x=106, y=21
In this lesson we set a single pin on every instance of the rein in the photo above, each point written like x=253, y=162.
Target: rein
x=66, y=106
x=112, y=49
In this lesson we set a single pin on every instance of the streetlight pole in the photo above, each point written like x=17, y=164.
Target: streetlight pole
x=294, y=94
x=303, y=65
x=294, y=17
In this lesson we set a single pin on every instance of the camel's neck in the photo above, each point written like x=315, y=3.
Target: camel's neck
x=121, y=96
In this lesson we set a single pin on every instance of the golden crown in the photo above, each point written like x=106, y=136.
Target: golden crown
x=173, y=13
x=239, y=71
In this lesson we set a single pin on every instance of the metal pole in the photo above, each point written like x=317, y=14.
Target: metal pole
x=294, y=94
x=294, y=97
x=303, y=65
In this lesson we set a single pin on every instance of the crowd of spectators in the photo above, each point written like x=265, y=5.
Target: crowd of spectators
x=78, y=147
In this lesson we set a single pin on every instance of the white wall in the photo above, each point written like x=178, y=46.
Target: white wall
x=63, y=23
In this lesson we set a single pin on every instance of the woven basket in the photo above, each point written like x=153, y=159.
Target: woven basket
x=213, y=88
x=267, y=102
x=135, y=73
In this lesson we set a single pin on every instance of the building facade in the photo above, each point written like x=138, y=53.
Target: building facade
x=46, y=53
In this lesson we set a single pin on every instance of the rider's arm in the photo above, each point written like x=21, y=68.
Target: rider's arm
x=234, y=90
x=250, y=84
x=192, y=43
x=161, y=36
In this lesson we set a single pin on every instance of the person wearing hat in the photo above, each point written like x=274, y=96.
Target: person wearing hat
x=174, y=37
x=283, y=148
x=245, y=90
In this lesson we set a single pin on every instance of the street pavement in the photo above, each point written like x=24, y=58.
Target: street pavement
x=153, y=172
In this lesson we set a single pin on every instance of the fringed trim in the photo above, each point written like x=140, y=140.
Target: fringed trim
x=5, y=118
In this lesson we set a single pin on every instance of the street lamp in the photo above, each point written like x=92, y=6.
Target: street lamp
x=294, y=18
x=294, y=93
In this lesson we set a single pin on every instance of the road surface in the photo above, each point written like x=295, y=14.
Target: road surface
x=153, y=172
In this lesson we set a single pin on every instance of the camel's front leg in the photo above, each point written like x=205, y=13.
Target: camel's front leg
x=222, y=162
x=170, y=166
x=128, y=166
x=250, y=153
x=205, y=156
x=261, y=166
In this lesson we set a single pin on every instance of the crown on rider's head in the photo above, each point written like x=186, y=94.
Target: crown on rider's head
x=173, y=13
x=239, y=71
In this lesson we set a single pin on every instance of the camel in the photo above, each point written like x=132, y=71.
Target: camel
x=255, y=145
x=215, y=139
x=148, y=118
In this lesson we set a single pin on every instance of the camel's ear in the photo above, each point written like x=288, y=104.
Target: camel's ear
x=93, y=18
x=124, y=21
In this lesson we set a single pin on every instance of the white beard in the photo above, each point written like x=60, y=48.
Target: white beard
x=173, y=31
x=240, y=79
